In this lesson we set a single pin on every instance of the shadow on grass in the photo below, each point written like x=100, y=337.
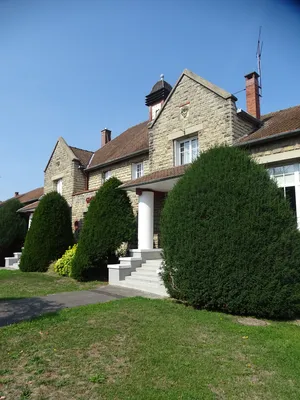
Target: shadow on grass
x=17, y=310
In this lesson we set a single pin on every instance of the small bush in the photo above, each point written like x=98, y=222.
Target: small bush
x=50, y=234
x=13, y=228
x=230, y=239
x=63, y=266
x=109, y=222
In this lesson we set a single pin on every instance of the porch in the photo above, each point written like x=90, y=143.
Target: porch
x=142, y=269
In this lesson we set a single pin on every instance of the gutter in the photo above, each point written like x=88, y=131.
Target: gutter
x=117, y=160
x=128, y=186
x=267, y=139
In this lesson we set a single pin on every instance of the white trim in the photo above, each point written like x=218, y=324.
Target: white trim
x=177, y=153
x=286, y=155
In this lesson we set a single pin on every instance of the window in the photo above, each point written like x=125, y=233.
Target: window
x=137, y=170
x=155, y=110
x=59, y=185
x=106, y=175
x=186, y=151
x=287, y=179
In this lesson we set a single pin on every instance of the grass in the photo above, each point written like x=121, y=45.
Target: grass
x=17, y=284
x=148, y=349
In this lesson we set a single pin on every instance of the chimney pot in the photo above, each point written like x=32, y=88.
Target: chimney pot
x=252, y=94
x=105, y=136
x=16, y=194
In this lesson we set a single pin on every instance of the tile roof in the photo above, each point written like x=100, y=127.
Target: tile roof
x=156, y=176
x=84, y=156
x=29, y=207
x=281, y=121
x=133, y=140
x=28, y=197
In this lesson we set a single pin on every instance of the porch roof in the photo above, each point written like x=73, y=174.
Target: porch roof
x=29, y=208
x=161, y=180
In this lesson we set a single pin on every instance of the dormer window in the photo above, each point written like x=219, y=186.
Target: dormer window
x=137, y=170
x=186, y=151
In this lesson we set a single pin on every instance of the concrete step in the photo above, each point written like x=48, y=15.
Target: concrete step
x=9, y=261
x=147, y=267
x=145, y=272
x=143, y=278
x=145, y=287
x=153, y=262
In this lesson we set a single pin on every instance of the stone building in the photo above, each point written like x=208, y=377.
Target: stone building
x=183, y=122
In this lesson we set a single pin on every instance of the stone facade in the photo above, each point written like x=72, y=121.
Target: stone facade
x=195, y=108
x=210, y=116
x=64, y=165
x=279, y=146
x=80, y=204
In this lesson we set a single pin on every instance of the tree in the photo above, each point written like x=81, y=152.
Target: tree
x=50, y=234
x=12, y=229
x=230, y=239
x=109, y=222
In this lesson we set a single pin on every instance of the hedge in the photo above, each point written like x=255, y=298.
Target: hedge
x=230, y=239
x=109, y=222
x=50, y=234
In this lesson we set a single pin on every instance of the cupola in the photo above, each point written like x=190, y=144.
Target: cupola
x=157, y=96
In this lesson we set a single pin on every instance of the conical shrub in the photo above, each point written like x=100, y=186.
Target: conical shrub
x=109, y=222
x=230, y=239
x=50, y=234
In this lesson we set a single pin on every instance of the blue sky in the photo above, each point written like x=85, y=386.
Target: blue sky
x=72, y=67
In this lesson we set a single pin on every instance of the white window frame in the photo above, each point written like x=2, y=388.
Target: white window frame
x=287, y=176
x=106, y=175
x=137, y=170
x=59, y=185
x=188, y=144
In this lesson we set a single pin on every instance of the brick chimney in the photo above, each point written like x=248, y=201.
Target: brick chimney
x=252, y=94
x=16, y=194
x=105, y=136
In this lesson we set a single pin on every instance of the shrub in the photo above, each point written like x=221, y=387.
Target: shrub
x=63, y=266
x=230, y=239
x=109, y=222
x=13, y=229
x=50, y=234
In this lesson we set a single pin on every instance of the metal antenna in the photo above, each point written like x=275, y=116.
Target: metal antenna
x=258, y=58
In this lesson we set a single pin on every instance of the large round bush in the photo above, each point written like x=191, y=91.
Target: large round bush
x=230, y=239
x=109, y=222
x=50, y=234
x=13, y=227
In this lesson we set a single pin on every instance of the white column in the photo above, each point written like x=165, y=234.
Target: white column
x=30, y=220
x=145, y=220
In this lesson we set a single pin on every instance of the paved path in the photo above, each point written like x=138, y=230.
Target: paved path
x=12, y=311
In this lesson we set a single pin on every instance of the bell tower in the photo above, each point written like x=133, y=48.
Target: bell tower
x=157, y=96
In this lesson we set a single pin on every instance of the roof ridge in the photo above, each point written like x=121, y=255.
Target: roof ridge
x=131, y=127
x=78, y=148
x=283, y=109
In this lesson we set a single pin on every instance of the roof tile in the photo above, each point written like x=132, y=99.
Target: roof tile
x=276, y=122
x=127, y=143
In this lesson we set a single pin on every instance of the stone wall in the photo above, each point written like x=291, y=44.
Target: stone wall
x=208, y=112
x=80, y=205
x=210, y=116
x=63, y=166
x=240, y=127
x=279, y=146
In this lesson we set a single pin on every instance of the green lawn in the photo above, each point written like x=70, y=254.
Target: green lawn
x=148, y=349
x=17, y=284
